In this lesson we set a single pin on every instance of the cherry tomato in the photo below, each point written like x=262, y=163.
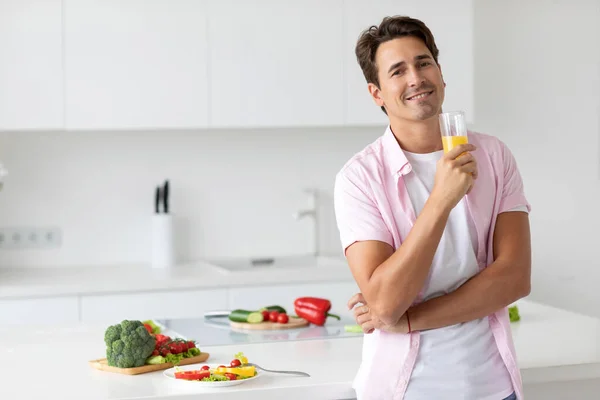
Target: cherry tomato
x=205, y=368
x=236, y=363
x=155, y=352
x=173, y=348
x=222, y=366
x=283, y=319
x=232, y=377
x=265, y=314
x=164, y=351
x=191, y=345
x=273, y=316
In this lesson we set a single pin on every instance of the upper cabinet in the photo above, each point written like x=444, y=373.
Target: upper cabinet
x=451, y=23
x=163, y=64
x=276, y=62
x=31, y=74
x=136, y=64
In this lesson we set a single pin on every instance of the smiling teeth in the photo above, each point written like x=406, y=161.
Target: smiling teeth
x=419, y=96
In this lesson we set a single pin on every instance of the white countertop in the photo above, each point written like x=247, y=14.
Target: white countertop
x=552, y=344
x=44, y=282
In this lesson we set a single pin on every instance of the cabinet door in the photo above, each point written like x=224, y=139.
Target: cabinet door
x=160, y=305
x=31, y=74
x=451, y=23
x=276, y=62
x=135, y=64
x=252, y=298
x=39, y=311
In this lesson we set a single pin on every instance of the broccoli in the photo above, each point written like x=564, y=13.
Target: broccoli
x=128, y=344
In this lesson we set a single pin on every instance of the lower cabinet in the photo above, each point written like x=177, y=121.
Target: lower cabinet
x=113, y=308
x=39, y=311
x=168, y=304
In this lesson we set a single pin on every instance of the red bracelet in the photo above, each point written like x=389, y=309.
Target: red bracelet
x=408, y=320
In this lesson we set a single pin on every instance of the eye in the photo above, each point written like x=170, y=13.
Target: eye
x=397, y=72
x=424, y=64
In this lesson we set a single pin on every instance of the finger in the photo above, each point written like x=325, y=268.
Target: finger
x=458, y=150
x=469, y=168
x=355, y=299
x=364, y=318
x=358, y=311
x=464, y=159
x=368, y=327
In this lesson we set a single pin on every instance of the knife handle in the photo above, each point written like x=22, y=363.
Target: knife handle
x=166, y=197
x=157, y=195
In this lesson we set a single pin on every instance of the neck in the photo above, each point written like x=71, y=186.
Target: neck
x=417, y=136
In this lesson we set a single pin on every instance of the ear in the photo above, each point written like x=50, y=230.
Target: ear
x=375, y=94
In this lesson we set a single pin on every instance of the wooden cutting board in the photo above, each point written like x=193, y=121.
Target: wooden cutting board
x=102, y=365
x=293, y=323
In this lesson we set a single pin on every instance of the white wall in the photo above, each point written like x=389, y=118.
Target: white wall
x=538, y=88
x=234, y=192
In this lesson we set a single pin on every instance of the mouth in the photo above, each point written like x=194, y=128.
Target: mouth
x=419, y=96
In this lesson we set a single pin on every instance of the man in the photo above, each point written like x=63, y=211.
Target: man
x=438, y=244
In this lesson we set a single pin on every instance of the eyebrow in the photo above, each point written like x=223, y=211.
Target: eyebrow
x=417, y=58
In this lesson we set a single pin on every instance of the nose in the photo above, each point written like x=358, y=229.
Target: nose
x=415, y=77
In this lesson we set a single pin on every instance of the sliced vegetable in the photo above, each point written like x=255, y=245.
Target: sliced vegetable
x=235, y=362
x=251, y=317
x=247, y=371
x=194, y=375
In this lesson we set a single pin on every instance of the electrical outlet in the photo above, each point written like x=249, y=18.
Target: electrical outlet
x=30, y=237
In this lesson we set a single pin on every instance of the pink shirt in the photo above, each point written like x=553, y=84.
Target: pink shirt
x=372, y=203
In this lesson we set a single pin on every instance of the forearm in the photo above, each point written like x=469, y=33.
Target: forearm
x=397, y=281
x=497, y=286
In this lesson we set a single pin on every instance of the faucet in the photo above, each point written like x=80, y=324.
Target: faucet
x=312, y=211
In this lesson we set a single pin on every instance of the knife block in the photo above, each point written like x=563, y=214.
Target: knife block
x=163, y=241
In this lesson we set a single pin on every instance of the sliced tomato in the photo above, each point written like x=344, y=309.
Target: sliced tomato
x=232, y=377
x=205, y=368
x=194, y=375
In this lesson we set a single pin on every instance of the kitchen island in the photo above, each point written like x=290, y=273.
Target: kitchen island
x=558, y=353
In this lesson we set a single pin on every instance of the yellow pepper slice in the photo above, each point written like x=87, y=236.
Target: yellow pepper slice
x=241, y=371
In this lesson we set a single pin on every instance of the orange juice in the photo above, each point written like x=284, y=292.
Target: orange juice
x=451, y=142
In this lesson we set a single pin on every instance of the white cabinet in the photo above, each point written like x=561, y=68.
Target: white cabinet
x=451, y=23
x=133, y=64
x=39, y=311
x=252, y=298
x=31, y=75
x=276, y=63
x=114, y=308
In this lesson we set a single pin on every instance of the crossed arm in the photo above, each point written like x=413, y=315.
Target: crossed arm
x=504, y=281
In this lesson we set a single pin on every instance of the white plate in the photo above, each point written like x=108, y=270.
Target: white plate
x=170, y=373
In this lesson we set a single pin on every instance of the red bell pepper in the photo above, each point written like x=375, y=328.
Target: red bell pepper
x=313, y=309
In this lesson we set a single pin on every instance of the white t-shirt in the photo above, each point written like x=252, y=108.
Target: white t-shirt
x=460, y=361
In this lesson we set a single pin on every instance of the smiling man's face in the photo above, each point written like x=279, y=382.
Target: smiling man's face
x=411, y=86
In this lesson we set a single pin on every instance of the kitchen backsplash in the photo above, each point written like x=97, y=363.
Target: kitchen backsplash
x=233, y=192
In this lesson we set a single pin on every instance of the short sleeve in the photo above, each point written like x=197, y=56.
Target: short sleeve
x=513, y=194
x=357, y=216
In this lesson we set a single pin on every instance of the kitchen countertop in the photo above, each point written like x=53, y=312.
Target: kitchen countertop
x=552, y=345
x=45, y=282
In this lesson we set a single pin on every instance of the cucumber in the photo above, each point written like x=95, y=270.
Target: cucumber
x=250, y=317
x=279, y=309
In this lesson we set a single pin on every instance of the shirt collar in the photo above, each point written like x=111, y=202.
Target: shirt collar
x=395, y=158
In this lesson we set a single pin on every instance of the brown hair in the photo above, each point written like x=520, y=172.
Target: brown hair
x=389, y=28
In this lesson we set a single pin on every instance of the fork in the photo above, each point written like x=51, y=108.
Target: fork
x=279, y=372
